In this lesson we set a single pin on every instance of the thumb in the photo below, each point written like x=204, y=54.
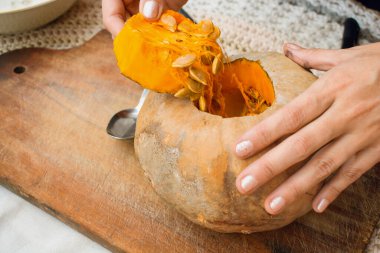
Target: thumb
x=320, y=59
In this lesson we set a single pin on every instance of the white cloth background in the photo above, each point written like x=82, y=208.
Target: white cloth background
x=26, y=228
x=249, y=25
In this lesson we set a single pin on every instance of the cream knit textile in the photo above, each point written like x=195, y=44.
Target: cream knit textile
x=77, y=26
x=247, y=25
x=262, y=25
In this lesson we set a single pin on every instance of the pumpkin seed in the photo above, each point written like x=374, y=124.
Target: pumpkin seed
x=204, y=29
x=184, y=26
x=194, y=86
x=195, y=96
x=198, y=75
x=169, y=22
x=184, y=61
x=215, y=34
x=202, y=104
x=217, y=64
x=207, y=26
x=183, y=93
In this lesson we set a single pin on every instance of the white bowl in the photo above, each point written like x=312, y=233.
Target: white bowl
x=23, y=15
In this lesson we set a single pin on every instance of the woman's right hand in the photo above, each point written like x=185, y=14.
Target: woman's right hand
x=116, y=12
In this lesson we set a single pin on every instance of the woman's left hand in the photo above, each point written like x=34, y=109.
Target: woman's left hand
x=335, y=123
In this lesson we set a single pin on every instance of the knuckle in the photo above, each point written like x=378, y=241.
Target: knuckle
x=324, y=167
x=301, y=145
x=334, y=190
x=338, y=79
x=295, y=118
x=263, y=135
x=267, y=168
x=351, y=174
x=296, y=190
x=361, y=108
x=343, y=83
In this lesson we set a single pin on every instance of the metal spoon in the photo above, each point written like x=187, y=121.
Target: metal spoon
x=122, y=125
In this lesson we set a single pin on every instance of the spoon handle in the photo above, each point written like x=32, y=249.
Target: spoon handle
x=142, y=99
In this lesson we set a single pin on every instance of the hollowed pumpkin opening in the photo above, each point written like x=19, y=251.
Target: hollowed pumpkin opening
x=176, y=56
x=245, y=88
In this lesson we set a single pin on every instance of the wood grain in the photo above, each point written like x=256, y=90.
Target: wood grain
x=54, y=151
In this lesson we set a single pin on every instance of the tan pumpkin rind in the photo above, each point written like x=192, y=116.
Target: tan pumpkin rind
x=188, y=157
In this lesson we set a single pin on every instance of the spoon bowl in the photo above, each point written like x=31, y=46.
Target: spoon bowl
x=122, y=125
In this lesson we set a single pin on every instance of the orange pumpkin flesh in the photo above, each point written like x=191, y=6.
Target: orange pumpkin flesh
x=245, y=88
x=145, y=52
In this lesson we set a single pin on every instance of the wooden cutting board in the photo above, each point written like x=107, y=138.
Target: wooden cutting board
x=54, y=152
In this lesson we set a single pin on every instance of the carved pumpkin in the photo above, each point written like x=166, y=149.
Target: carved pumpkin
x=186, y=153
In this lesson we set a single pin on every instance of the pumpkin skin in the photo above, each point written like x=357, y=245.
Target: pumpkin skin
x=188, y=156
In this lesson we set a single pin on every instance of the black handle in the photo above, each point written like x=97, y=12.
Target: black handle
x=350, y=33
x=183, y=12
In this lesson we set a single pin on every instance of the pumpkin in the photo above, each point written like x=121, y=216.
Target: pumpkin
x=187, y=154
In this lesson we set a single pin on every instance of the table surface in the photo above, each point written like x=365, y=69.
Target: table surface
x=54, y=152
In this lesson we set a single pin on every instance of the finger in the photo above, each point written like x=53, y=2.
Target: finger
x=175, y=4
x=291, y=151
x=320, y=59
x=303, y=109
x=347, y=174
x=132, y=6
x=114, y=14
x=151, y=9
x=322, y=165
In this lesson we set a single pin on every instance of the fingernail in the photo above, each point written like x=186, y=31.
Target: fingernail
x=150, y=9
x=243, y=148
x=322, y=205
x=292, y=46
x=277, y=203
x=248, y=183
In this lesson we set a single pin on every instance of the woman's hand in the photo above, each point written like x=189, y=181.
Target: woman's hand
x=115, y=12
x=335, y=123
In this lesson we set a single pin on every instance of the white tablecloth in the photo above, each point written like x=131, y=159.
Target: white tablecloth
x=26, y=228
